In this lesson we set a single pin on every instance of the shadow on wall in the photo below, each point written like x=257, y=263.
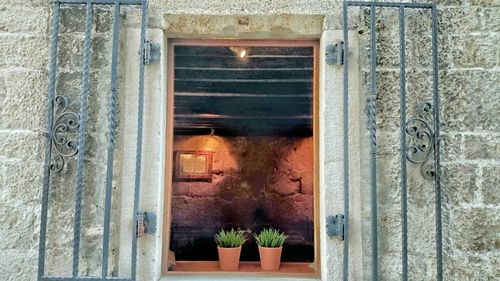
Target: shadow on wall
x=256, y=182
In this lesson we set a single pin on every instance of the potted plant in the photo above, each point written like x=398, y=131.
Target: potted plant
x=270, y=243
x=229, y=247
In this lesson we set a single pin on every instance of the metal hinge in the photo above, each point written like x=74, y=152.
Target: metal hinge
x=335, y=226
x=145, y=223
x=335, y=53
x=152, y=52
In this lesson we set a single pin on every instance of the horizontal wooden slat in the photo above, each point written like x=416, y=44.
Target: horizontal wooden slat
x=235, y=62
x=244, y=87
x=206, y=50
x=242, y=73
x=246, y=106
x=243, y=127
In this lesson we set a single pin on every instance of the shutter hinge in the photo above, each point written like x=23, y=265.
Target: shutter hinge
x=145, y=223
x=335, y=53
x=152, y=52
x=335, y=226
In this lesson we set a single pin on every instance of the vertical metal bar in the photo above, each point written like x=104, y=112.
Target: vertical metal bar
x=436, y=101
x=111, y=138
x=404, y=179
x=345, y=269
x=140, y=117
x=81, y=138
x=373, y=141
x=48, y=142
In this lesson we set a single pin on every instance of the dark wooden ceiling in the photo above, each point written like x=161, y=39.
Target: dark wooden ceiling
x=269, y=92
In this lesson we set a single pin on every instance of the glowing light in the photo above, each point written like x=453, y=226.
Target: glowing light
x=241, y=52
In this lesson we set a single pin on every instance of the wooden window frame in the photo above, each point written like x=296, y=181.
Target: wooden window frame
x=169, y=153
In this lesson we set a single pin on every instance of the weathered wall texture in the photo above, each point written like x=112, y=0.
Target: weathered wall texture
x=469, y=40
x=256, y=182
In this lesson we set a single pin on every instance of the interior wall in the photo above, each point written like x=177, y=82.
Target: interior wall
x=256, y=182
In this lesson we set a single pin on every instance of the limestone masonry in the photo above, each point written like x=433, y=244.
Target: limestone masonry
x=469, y=61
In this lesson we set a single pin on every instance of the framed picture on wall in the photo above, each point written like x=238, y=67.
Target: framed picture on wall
x=193, y=165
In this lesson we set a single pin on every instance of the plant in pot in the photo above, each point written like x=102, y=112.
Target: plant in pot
x=270, y=243
x=229, y=247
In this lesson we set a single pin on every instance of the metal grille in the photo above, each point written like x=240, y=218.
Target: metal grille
x=425, y=127
x=60, y=149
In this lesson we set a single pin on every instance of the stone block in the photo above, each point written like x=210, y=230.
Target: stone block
x=103, y=19
x=491, y=19
x=202, y=211
x=422, y=230
x=21, y=145
x=32, y=20
x=451, y=147
x=388, y=38
x=299, y=209
x=387, y=100
x=468, y=267
x=32, y=3
x=180, y=188
x=388, y=144
x=25, y=101
x=72, y=19
x=422, y=267
x=475, y=229
x=295, y=175
x=18, y=265
x=389, y=228
x=482, y=147
x=70, y=53
x=284, y=186
x=21, y=224
x=21, y=188
x=473, y=51
x=3, y=93
x=490, y=185
x=419, y=48
x=388, y=179
x=307, y=183
x=24, y=51
x=456, y=20
x=201, y=189
x=459, y=183
x=485, y=3
x=465, y=96
x=390, y=266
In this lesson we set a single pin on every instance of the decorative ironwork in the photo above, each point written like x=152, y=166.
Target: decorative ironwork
x=420, y=143
x=64, y=135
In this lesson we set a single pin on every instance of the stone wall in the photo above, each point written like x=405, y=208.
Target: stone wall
x=256, y=182
x=469, y=36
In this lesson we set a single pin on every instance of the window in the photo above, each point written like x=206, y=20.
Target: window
x=243, y=150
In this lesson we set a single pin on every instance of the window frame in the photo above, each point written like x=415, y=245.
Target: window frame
x=170, y=153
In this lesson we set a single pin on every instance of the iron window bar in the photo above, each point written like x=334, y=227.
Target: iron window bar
x=433, y=173
x=81, y=121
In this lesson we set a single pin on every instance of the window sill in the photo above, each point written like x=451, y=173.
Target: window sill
x=209, y=271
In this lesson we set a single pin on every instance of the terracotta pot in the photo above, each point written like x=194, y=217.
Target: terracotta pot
x=270, y=258
x=229, y=258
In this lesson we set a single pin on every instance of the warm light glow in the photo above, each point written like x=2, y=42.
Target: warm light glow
x=241, y=52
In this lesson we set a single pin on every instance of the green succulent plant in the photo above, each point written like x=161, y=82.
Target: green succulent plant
x=230, y=238
x=270, y=238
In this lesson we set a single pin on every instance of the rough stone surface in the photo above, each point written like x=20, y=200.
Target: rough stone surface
x=470, y=114
x=256, y=182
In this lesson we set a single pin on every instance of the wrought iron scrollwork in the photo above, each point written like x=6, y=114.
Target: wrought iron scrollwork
x=420, y=141
x=64, y=134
